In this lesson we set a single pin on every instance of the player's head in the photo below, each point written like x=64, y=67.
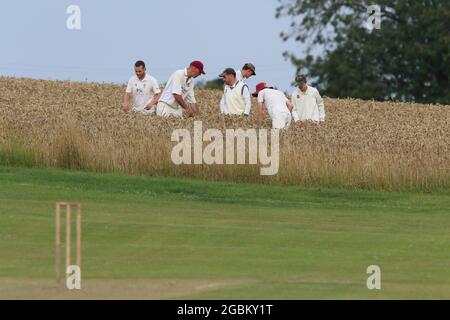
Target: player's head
x=259, y=87
x=139, y=69
x=301, y=81
x=195, y=69
x=248, y=70
x=228, y=76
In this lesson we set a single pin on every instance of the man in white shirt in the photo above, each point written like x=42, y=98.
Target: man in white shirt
x=248, y=71
x=236, y=95
x=178, y=95
x=144, y=90
x=277, y=104
x=308, y=104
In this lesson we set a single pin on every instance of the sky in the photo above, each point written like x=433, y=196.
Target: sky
x=167, y=35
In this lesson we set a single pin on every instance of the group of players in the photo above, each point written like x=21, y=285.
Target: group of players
x=178, y=95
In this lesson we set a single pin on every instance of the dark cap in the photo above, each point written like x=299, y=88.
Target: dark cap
x=198, y=65
x=250, y=66
x=227, y=71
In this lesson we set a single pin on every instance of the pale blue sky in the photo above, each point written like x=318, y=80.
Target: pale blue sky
x=167, y=35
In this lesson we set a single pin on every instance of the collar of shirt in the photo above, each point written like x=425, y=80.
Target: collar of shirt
x=234, y=85
x=146, y=78
x=303, y=93
x=188, y=79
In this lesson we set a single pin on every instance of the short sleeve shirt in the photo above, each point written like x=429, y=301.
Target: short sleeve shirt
x=274, y=100
x=143, y=91
x=180, y=84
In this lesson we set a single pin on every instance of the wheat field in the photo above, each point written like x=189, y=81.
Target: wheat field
x=362, y=144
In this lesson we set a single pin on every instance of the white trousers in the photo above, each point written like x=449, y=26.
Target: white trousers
x=281, y=120
x=165, y=110
x=144, y=111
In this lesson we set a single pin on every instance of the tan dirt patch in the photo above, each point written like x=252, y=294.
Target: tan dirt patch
x=93, y=289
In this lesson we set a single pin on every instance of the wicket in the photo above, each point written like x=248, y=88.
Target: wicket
x=68, y=207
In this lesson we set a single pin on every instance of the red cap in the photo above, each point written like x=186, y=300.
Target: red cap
x=198, y=65
x=260, y=86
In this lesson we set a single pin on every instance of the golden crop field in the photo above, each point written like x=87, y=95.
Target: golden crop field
x=362, y=144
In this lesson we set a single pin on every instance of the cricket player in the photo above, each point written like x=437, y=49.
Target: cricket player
x=278, y=106
x=178, y=95
x=236, y=95
x=248, y=71
x=308, y=104
x=144, y=90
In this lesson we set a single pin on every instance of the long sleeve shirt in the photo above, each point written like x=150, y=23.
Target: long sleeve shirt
x=308, y=105
x=236, y=99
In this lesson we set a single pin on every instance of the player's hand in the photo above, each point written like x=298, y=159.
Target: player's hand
x=149, y=106
x=125, y=107
x=189, y=112
x=195, y=110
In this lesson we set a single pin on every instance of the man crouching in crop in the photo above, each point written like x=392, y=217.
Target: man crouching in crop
x=277, y=104
x=178, y=95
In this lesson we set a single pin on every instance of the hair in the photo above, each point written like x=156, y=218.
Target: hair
x=246, y=67
x=230, y=71
x=140, y=63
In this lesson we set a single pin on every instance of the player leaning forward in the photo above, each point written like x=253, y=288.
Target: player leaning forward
x=143, y=88
x=236, y=95
x=277, y=104
x=178, y=95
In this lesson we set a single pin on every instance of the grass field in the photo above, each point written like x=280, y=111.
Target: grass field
x=150, y=237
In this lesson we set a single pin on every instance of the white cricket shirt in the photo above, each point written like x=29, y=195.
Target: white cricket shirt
x=274, y=100
x=308, y=105
x=179, y=83
x=239, y=76
x=143, y=91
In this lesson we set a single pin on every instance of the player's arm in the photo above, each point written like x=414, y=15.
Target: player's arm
x=179, y=99
x=321, y=106
x=126, y=102
x=153, y=101
x=248, y=101
x=126, y=97
x=177, y=91
x=294, y=112
x=289, y=105
x=222, y=104
x=192, y=102
x=157, y=94
x=195, y=109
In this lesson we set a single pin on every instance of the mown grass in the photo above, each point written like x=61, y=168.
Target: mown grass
x=278, y=242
